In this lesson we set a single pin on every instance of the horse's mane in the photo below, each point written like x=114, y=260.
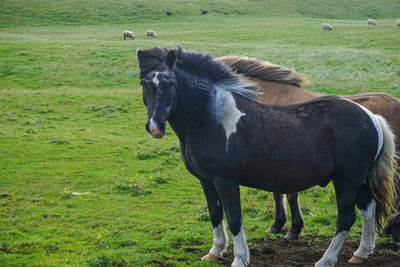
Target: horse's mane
x=255, y=68
x=201, y=65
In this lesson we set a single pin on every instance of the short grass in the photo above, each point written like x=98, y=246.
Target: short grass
x=78, y=12
x=72, y=120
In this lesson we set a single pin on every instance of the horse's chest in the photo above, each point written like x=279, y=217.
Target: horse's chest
x=203, y=160
x=194, y=165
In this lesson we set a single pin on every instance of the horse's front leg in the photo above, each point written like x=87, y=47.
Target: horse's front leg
x=280, y=214
x=220, y=239
x=297, y=218
x=230, y=195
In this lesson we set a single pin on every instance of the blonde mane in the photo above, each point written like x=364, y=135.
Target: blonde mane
x=263, y=70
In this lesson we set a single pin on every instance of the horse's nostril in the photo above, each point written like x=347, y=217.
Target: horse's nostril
x=161, y=126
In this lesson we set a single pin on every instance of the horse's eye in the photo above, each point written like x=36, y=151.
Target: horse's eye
x=142, y=82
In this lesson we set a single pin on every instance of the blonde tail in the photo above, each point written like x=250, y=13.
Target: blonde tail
x=383, y=180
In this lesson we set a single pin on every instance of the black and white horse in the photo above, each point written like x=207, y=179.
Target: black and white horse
x=228, y=138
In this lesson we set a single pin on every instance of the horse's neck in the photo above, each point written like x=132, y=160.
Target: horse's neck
x=282, y=93
x=191, y=108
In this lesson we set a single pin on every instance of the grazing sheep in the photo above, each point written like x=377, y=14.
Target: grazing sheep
x=325, y=26
x=371, y=22
x=151, y=34
x=398, y=22
x=128, y=34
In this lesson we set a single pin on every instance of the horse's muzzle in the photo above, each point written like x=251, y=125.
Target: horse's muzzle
x=155, y=129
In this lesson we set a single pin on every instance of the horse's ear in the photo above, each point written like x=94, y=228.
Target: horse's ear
x=138, y=53
x=171, y=59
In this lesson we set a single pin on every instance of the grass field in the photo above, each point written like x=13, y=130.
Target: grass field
x=77, y=12
x=72, y=120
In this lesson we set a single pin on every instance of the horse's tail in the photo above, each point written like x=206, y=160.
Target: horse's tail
x=383, y=179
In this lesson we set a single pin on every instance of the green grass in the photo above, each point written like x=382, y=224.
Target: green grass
x=97, y=57
x=72, y=120
x=49, y=12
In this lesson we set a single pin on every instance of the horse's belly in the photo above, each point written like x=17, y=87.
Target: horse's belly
x=285, y=181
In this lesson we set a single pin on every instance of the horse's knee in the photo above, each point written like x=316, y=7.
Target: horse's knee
x=346, y=221
x=235, y=225
x=363, y=198
x=216, y=216
x=292, y=197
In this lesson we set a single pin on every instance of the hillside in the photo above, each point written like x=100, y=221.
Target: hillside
x=78, y=12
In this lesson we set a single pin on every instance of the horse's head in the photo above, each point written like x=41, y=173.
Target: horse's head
x=159, y=91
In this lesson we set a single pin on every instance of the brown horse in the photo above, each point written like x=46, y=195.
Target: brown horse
x=281, y=85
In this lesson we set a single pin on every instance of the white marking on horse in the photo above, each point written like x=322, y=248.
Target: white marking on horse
x=367, y=243
x=220, y=240
x=330, y=255
x=153, y=124
x=241, y=250
x=377, y=125
x=155, y=78
x=227, y=114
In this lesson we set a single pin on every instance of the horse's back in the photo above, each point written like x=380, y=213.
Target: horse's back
x=282, y=93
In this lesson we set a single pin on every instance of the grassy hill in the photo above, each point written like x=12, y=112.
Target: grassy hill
x=78, y=12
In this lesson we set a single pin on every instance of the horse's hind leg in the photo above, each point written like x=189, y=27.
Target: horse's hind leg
x=345, y=199
x=230, y=195
x=220, y=239
x=280, y=214
x=367, y=206
x=297, y=218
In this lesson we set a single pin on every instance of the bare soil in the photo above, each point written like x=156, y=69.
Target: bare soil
x=307, y=251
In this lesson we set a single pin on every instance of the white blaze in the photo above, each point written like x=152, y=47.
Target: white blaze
x=153, y=124
x=155, y=79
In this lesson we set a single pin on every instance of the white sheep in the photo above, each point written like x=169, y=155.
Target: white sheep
x=398, y=22
x=150, y=33
x=326, y=26
x=371, y=22
x=128, y=34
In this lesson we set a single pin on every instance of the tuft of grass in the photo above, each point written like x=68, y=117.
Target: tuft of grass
x=135, y=188
x=128, y=243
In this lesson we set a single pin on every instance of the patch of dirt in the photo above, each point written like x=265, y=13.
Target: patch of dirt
x=307, y=251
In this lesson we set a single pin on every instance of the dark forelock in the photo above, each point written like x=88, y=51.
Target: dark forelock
x=150, y=59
